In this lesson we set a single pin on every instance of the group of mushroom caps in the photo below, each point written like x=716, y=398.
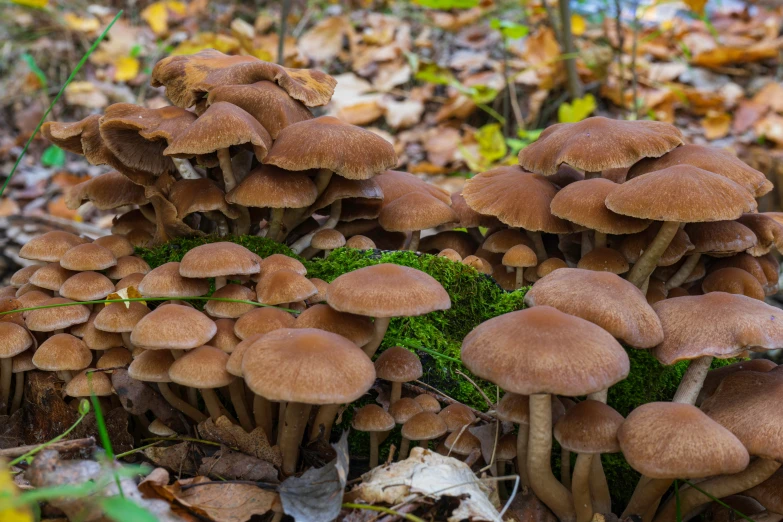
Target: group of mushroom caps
x=627, y=235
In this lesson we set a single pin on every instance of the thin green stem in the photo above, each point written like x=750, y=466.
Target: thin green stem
x=136, y=450
x=380, y=509
x=187, y=439
x=717, y=500
x=103, y=433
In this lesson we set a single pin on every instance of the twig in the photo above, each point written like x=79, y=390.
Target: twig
x=388, y=511
x=634, y=75
x=471, y=381
x=284, y=9
x=618, y=24
x=443, y=398
x=574, y=83
x=63, y=446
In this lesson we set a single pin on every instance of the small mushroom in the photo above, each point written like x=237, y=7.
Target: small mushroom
x=398, y=365
x=373, y=419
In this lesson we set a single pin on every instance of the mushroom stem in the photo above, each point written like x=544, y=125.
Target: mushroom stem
x=413, y=246
x=405, y=446
x=380, y=326
x=221, y=223
x=126, y=341
x=581, y=488
x=692, y=381
x=326, y=253
x=373, y=449
x=237, y=392
x=294, y=424
x=65, y=375
x=275, y=222
x=599, y=240
x=325, y=417
x=280, y=419
x=220, y=282
x=185, y=169
x=599, y=396
x=241, y=225
x=262, y=412
x=212, y=402
x=592, y=175
x=538, y=243
x=565, y=468
x=585, y=245
x=683, y=272
x=520, y=280
x=522, y=440
x=719, y=487
x=179, y=404
x=6, y=374
x=16, y=402
x=322, y=179
x=396, y=392
x=224, y=157
x=334, y=217
x=645, y=265
x=544, y=484
x=599, y=488
x=647, y=492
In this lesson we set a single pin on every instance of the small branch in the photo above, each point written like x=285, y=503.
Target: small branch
x=64, y=446
x=574, y=84
x=284, y=9
x=618, y=24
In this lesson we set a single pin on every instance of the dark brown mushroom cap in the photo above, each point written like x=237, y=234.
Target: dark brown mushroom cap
x=126, y=266
x=219, y=259
x=469, y=218
x=307, y=365
x=669, y=440
x=395, y=183
x=339, y=188
x=583, y=203
x=58, y=318
x=604, y=259
x=415, y=211
x=498, y=192
x=62, y=352
x=387, y=290
x=137, y=135
x=270, y=186
x=114, y=357
x=107, y=192
x=327, y=239
x=227, y=309
x=712, y=159
x=116, y=244
x=86, y=286
x=428, y=402
x=265, y=101
x=261, y=321
x=356, y=328
x=328, y=143
x=424, y=426
x=768, y=232
x=166, y=281
x=284, y=286
x=89, y=256
x=720, y=238
x=682, y=193
x=151, y=366
x=456, y=416
x=516, y=408
x=221, y=126
x=747, y=263
x=51, y=276
x=768, y=493
x=597, y=143
x=602, y=298
x=589, y=427
x=50, y=246
x=746, y=403
x=188, y=77
x=632, y=246
x=542, y=350
x=566, y=175
x=462, y=442
x=14, y=339
x=717, y=325
x=204, y=367
x=199, y=195
x=716, y=376
x=172, y=327
x=372, y=418
x=501, y=241
x=116, y=317
x=98, y=384
x=733, y=281
x=403, y=409
x=507, y=447
x=67, y=135
x=396, y=364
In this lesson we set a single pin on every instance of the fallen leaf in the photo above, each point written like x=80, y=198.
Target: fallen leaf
x=770, y=96
x=126, y=69
x=363, y=110
x=129, y=292
x=157, y=15
x=727, y=55
x=770, y=128
x=231, y=465
x=576, y=111
x=222, y=502
x=38, y=4
x=57, y=208
x=697, y=6
x=85, y=94
x=746, y=115
x=716, y=125
x=254, y=443
x=8, y=207
x=401, y=114
x=9, y=490
x=579, y=24
x=88, y=24
x=324, y=41
x=177, y=458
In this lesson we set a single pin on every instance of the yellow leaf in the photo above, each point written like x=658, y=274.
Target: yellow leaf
x=129, y=292
x=82, y=25
x=157, y=17
x=127, y=68
x=580, y=109
x=492, y=144
x=578, y=25
x=178, y=8
x=9, y=491
x=716, y=125
x=38, y=4
x=697, y=6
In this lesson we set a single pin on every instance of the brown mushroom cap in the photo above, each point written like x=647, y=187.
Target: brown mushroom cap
x=199, y=195
x=270, y=186
x=106, y=192
x=768, y=232
x=307, y=365
x=328, y=143
x=716, y=376
x=89, y=256
x=596, y=144
x=396, y=364
x=204, y=367
x=498, y=192
x=746, y=262
x=395, y=184
x=327, y=239
x=387, y=290
x=98, y=384
x=51, y=246
x=733, y=281
x=116, y=244
x=415, y=211
x=768, y=492
x=720, y=238
x=589, y=427
x=14, y=339
x=23, y=362
x=166, y=281
x=116, y=317
x=542, y=350
x=516, y=408
x=456, y=416
x=284, y=286
x=151, y=366
x=403, y=409
x=234, y=363
x=718, y=325
x=261, y=321
x=712, y=159
x=229, y=309
x=604, y=259
x=50, y=276
x=58, y=318
x=462, y=442
x=114, y=357
x=633, y=245
x=670, y=440
x=62, y=352
x=172, y=327
x=503, y=240
x=281, y=262
x=86, y=286
x=360, y=242
x=217, y=260
x=583, y=203
x=682, y=193
x=460, y=242
x=126, y=266
x=225, y=339
x=96, y=339
x=467, y=217
x=356, y=328
x=424, y=426
x=22, y=276
x=428, y=403
x=372, y=418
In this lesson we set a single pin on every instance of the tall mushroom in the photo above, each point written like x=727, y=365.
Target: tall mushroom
x=219, y=260
x=414, y=212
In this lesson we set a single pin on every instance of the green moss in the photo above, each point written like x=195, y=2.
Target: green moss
x=437, y=337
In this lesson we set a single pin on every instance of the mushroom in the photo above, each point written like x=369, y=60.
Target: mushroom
x=360, y=242
x=114, y=358
x=422, y=426
x=404, y=409
x=21, y=363
x=398, y=365
x=603, y=259
x=733, y=281
x=22, y=276
x=428, y=403
x=283, y=287
x=116, y=244
x=51, y=246
x=56, y=319
x=261, y=321
x=119, y=318
x=89, y=256
x=166, y=281
x=373, y=419
x=190, y=196
x=14, y=340
x=126, y=266
x=462, y=443
x=327, y=240
x=414, y=212
x=768, y=493
x=86, y=286
x=451, y=255
x=50, y=277
x=205, y=369
x=229, y=309
x=62, y=353
x=87, y=383
x=519, y=257
x=262, y=408
x=456, y=416
x=108, y=191
x=716, y=376
x=219, y=260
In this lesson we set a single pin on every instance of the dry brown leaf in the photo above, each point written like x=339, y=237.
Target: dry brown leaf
x=442, y=144
x=401, y=114
x=770, y=128
x=231, y=465
x=363, y=110
x=716, y=125
x=770, y=96
x=324, y=41
x=254, y=443
x=726, y=55
x=746, y=115
x=177, y=458
x=223, y=502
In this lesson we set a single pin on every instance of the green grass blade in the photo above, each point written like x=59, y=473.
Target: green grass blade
x=103, y=433
x=56, y=99
x=124, y=510
x=678, y=507
x=84, y=409
x=718, y=501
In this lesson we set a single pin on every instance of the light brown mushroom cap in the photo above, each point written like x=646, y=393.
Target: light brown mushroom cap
x=14, y=339
x=327, y=239
x=682, y=193
x=507, y=448
x=273, y=187
x=172, y=327
x=50, y=246
x=403, y=409
x=166, y=281
x=98, y=384
x=281, y=262
x=498, y=192
x=114, y=357
x=451, y=255
x=589, y=427
x=116, y=244
x=59, y=318
x=234, y=363
x=261, y=321
x=632, y=246
x=548, y=266
x=126, y=266
x=716, y=376
x=396, y=364
x=50, y=276
x=284, y=286
x=456, y=416
x=669, y=440
x=424, y=426
x=307, y=365
x=151, y=366
x=387, y=290
x=395, y=184
x=733, y=281
x=372, y=418
x=328, y=143
x=33, y=298
x=542, y=350
x=22, y=276
x=218, y=260
x=768, y=232
x=516, y=408
x=89, y=256
x=717, y=325
x=360, y=242
x=720, y=238
x=462, y=442
x=503, y=240
x=596, y=144
x=23, y=362
x=428, y=403
x=467, y=217
x=157, y=427
x=225, y=339
x=96, y=339
x=228, y=309
x=106, y=192
x=320, y=296
x=604, y=259
x=204, y=367
x=116, y=317
x=356, y=328
x=415, y=211
x=713, y=159
x=768, y=492
x=62, y=352
x=582, y=203
x=86, y=286
x=200, y=195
